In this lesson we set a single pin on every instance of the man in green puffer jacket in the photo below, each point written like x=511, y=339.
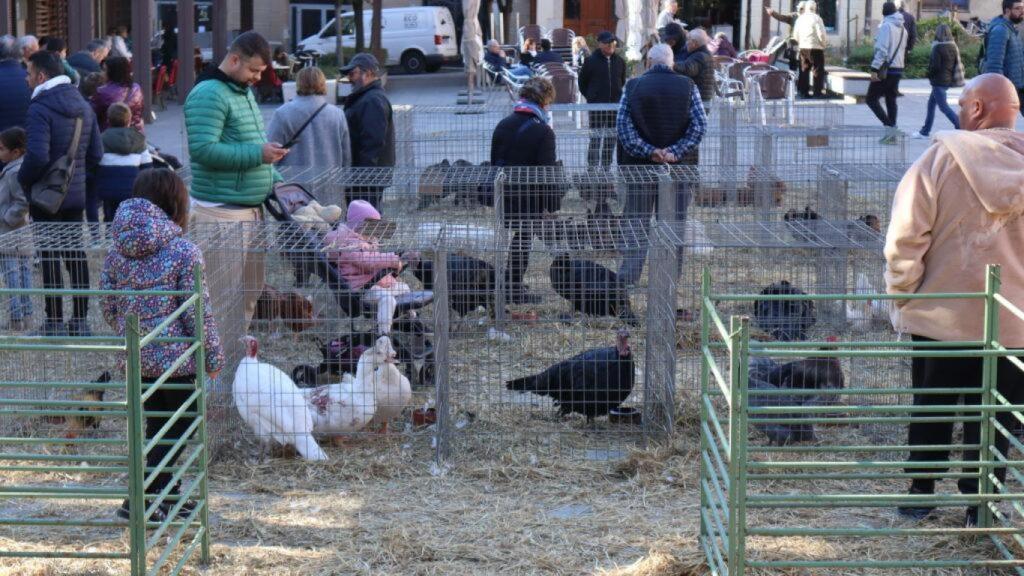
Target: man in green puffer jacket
x=232, y=174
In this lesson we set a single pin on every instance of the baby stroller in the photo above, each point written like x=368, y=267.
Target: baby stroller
x=301, y=247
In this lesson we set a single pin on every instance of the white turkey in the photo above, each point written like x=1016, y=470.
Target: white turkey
x=350, y=405
x=272, y=405
x=392, y=390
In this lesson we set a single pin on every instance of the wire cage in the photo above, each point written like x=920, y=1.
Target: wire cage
x=318, y=298
x=798, y=444
x=859, y=191
x=568, y=357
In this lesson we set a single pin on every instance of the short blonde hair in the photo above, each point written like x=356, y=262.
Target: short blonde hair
x=311, y=82
x=119, y=115
x=538, y=90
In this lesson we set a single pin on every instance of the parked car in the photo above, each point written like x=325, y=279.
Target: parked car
x=419, y=38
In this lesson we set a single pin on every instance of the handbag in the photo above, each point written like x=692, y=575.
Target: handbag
x=883, y=70
x=49, y=192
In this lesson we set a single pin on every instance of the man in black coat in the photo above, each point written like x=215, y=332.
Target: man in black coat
x=52, y=115
x=524, y=138
x=371, y=125
x=661, y=120
x=601, y=79
x=87, y=61
x=698, y=65
x=546, y=55
x=14, y=104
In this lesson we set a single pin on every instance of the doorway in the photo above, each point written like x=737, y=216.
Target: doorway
x=308, y=19
x=589, y=16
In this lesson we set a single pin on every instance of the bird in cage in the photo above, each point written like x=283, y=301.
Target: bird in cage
x=591, y=288
x=471, y=282
x=340, y=356
x=814, y=373
x=760, y=182
x=392, y=390
x=591, y=383
x=862, y=314
x=866, y=228
x=801, y=224
x=349, y=405
x=75, y=425
x=784, y=320
x=272, y=405
x=286, y=308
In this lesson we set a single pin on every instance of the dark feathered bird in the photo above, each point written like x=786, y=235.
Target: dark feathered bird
x=592, y=383
x=591, y=288
x=78, y=424
x=784, y=320
x=801, y=224
x=807, y=374
x=471, y=282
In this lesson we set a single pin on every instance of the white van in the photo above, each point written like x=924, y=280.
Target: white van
x=420, y=38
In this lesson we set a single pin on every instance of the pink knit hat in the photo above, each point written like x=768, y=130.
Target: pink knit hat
x=360, y=211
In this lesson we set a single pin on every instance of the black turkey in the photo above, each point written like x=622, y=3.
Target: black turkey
x=784, y=320
x=471, y=282
x=591, y=288
x=592, y=383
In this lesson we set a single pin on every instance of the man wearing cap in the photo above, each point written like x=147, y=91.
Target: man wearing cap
x=371, y=125
x=601, y=79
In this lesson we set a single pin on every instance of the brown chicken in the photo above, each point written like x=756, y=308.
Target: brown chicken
x=747, y=196
x=75, y=425
x=293, y=309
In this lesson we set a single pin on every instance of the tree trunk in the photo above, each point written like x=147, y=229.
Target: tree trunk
x=357, y=9
x=376, y=28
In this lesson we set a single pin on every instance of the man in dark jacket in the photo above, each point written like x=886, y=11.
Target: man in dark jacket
x=87, y=61
x=674, y=37
x=661, y=121
x=601, y=79
x=546, y=55
x=524, y=138
x=50, y=124
x=371, y=125
x=697, y=65
x=909, y=24
x=14, y=104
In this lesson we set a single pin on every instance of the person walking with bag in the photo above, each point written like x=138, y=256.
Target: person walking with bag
x=945, y=70
x=62, y=153
x=315, y=131
x=887, y=69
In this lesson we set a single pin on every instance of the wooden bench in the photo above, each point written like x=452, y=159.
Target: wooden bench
x=852, y=84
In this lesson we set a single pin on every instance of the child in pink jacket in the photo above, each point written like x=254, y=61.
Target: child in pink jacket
x=359, y=260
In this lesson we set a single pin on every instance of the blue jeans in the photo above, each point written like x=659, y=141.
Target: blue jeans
x=17, y=273
x=938, y=98
x=641, y=200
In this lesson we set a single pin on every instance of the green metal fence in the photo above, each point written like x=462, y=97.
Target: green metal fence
x=66, y=462
x=829, y=505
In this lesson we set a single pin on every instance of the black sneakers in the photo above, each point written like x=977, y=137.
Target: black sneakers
x=916, y=512
x=124, y=513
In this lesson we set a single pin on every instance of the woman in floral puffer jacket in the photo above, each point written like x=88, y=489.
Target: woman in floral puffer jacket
x=150, y=253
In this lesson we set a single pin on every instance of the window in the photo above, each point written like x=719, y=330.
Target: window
x=572, y=10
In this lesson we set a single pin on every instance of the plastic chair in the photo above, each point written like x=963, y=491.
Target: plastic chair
x=772, y=85
x=561, y=37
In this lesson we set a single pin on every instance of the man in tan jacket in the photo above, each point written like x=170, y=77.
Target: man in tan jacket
x=958, y=209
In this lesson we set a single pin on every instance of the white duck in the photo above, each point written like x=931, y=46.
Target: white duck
x=863, y=313
x=348, y=406
x=392, y=390
x=272, y=405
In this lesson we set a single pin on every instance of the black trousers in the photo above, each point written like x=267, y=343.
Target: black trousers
x=66, y=249
x=371, y=194
x=957, y=373
x=888, y=89
x=109, y=209
x=519, y=252
x=811, y=60
x=166, y=401
x=602, y=144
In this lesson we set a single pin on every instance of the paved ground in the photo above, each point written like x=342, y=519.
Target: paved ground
x=442, y=89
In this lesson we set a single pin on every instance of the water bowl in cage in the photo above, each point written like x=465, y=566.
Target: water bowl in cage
x=625, y=415
x=424, y=417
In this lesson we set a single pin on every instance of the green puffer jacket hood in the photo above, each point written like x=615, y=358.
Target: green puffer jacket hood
x=225, y=144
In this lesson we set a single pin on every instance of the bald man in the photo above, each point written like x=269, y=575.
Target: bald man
x=957, y=210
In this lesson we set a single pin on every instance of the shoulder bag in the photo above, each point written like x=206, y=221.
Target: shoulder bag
x=883, y=70
x=49, y=192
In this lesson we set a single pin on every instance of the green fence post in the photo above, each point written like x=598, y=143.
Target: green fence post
x=705, y=293
x=200, y=334
x=989, y=374
x=136, y=441
x=739, y=334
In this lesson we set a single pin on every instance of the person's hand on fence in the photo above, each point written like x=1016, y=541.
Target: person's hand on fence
x=273, y=152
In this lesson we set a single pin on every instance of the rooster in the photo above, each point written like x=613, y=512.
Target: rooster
x=293, y=309
x=592, y=383
x=270, y=403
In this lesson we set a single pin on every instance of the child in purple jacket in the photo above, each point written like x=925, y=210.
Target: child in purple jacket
x=150, y=252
